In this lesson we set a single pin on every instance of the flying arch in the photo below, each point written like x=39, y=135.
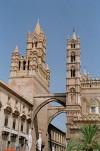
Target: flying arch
x=55, y=115
x=42, y=101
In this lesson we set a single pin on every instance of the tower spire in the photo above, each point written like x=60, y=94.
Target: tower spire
x=38, y=27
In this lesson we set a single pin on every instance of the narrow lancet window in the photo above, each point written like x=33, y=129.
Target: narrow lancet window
x=35, y=44
x=72, y=57
x=72, y=72
x=72, y=45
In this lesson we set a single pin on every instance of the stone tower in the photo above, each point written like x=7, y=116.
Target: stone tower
x=73, y=79
x=30, y=75
x=73, y=70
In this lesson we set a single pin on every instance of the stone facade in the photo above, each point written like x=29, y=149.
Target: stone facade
x=15, y=119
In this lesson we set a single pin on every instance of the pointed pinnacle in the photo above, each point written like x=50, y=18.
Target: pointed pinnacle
x=38, y=28
x=74, y=34
x=16, y=49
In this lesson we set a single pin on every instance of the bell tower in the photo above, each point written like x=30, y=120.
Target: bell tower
x=73, y=83
x=29, y=74
x=36, y=50
x=73, y=70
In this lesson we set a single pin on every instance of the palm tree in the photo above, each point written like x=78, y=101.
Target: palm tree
x=89, y=137
x=71, y=145
x=88, y=140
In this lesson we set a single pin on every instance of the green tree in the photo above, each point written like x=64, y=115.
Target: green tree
x=87, y=141
x=89, y=137
x=73, y=145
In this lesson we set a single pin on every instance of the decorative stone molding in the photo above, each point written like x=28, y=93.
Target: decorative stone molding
x=13, y=135
x=16, y=113
x=88, y=118
x=8, y=109
x=23, y=116
x=5, y=133
x=29, y=118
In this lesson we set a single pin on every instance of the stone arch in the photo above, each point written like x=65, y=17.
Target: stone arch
x=44, y=102
x=40, y=102
x=55, y=115
x=94, y=102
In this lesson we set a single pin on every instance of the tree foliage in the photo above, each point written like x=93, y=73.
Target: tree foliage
x=88, y=140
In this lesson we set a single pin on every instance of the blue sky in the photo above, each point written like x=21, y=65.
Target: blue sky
x=57, y=18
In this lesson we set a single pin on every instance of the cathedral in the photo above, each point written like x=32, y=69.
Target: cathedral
x=25, y=109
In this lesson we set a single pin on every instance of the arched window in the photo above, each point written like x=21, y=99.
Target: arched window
x=24, y=65
x=73, y=45
x=73, y=57
x=72, y=90
x=94, y=106
x=35, y=44
x=72, y=72
x=72, y=95
x=34, y=41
